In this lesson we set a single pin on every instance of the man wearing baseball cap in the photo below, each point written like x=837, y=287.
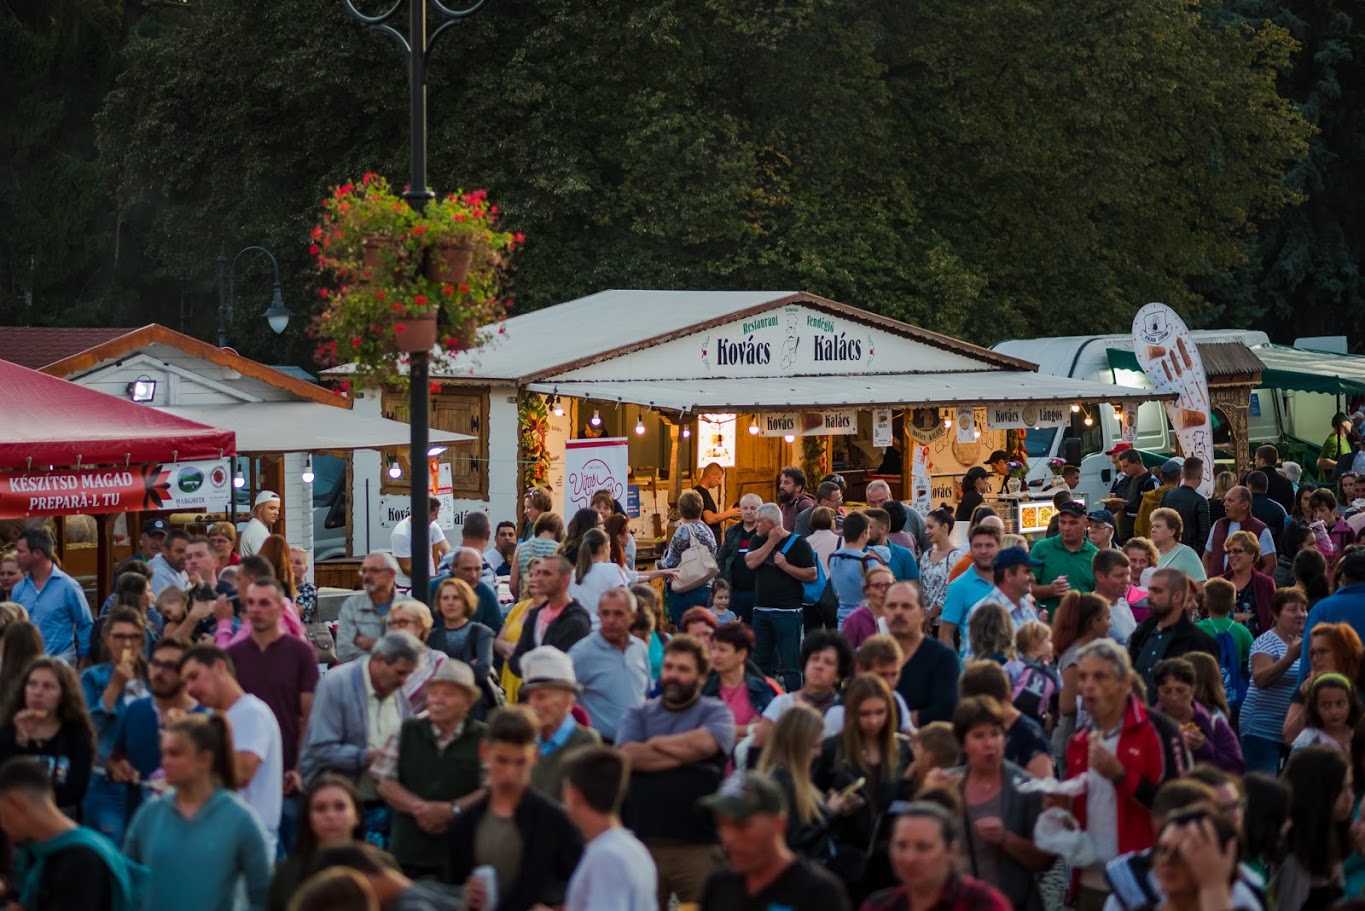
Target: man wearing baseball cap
x=751, y=816
x=1101, y=528
x=1119, y=489
x=549, y=687
x=1013, y=591
x=1065, y=560
x=265, y=512
x=428, y=772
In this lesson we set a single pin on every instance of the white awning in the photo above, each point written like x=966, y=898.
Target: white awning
x=305, y=427
x=892, y=389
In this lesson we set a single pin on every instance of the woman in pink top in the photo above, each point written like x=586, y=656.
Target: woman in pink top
x=866, y=619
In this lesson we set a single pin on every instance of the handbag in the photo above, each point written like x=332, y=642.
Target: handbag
x=696, y=567
x=494, y=697
x=319, y=635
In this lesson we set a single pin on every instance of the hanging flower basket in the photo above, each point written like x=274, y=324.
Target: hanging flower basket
x=400, y=282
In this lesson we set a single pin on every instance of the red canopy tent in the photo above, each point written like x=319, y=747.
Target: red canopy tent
x=50, y=421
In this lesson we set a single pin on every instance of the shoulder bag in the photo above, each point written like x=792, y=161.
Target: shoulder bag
x=697, y=566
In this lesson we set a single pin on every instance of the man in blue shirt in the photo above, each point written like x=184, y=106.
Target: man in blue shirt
x=55, y=602
x=168, y=567
x=900, y=560
x=973, y=585
x=1345, y=605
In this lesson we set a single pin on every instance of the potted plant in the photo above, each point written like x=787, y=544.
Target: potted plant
x=1016, y=471
x=404, y=281
x=1055, y=465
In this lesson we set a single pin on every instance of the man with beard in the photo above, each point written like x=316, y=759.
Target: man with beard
x=559, y=620
x=929, y=668
x=1168, y=631
x=168, y=567
x=282, y=672
x=676, y=745
x=136, y=754
x=361, y=619
x=792, y=496
x=499, y=556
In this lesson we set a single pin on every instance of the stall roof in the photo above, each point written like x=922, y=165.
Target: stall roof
x=50, y=421
x=559, y=338
x=1283, y=367
x=264, y=427
x=891, y=389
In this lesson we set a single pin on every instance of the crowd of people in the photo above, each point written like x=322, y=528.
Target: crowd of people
x=828, y=708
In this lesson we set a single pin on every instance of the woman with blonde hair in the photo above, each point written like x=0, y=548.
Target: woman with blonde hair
x=595, y=572
x=1222, y=483
x=275, y=551
x=546, y=534
x=1080, y=620
x=223, y=539
x=412, y=616
x=690, y=528
x=787, y=758
x=506, y=642
x=459, y=636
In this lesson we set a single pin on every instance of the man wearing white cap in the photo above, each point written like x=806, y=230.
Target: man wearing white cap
x=428, y=772
x=548, y=686
x=265, y=512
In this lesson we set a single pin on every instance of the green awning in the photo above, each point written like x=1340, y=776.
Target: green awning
x=1288, y=368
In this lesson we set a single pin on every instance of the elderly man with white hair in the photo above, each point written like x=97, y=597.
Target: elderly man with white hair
x=468, y=567
x=361, y=620
x=782, y=563
x=611, y=665
x=730, y=557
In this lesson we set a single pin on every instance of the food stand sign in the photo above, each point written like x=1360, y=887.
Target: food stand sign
x=200, y=486
x=882, y=435
x=593, y=465
x=839, y=422
x=1001, y=417
x=1169, y=357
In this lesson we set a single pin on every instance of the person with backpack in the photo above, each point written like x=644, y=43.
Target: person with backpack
x=849, y=564
x=1037, y=685
x=1232, y=638
x=59, y=864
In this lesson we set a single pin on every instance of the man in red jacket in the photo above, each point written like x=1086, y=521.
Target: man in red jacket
x=1126, y=752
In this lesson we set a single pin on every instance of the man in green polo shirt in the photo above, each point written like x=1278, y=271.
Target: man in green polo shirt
x=1066, y=560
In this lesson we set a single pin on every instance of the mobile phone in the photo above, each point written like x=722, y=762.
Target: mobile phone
x=852, y=789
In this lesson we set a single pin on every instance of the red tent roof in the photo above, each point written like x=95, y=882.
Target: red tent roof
x=50, y=421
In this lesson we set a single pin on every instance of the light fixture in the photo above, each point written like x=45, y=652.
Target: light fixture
x=557, y=408
x=434, y=451
x=640, y=425
x=947, y=423
x=596, y=418
x=308, y=476
x=238, y=481
x=1089, y=421
x=976, y=433
x=753, y=427
x=142, y=389
x=1075, y=409
x=686, y=431
x=789, y=438
x=278, y=315
x=394, y=471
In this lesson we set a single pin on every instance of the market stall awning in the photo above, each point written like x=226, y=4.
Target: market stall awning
x=49, y=421
x=266, y=427
x=891, y=390
x=1299, y=369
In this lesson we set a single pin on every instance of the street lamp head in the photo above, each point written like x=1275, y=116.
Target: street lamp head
x=278, y=315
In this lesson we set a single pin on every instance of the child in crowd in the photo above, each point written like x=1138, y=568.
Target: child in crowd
x=1333, y=710
x=720, y=602
x=1338, y=531
x=936, y=748
x=1037, y=685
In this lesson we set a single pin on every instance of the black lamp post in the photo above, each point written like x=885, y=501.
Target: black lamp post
x=278, y=315
x=416, y=47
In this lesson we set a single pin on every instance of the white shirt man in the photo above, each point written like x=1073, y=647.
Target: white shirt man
x=265, y=512
x=400, y=542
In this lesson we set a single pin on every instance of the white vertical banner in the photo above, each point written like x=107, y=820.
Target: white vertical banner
x=966, y=424
x=1169, y=357
x=881, y=427
x=1129, y=430
x=593, y=465
x=921, y=481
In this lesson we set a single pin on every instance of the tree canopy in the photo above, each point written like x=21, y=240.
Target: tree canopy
x=990, y=169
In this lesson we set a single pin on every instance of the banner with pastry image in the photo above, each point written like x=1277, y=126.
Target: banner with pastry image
x=1169, y=357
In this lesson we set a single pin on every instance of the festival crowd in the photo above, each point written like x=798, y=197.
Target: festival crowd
x=1154, y=706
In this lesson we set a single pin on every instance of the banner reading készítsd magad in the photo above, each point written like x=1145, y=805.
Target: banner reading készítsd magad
x=201, y=486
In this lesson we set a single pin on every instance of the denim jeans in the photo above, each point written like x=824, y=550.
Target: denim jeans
x=777, y=645
x=1262, y=754
x=108, y=805
x=742, y=603
x=679, y=602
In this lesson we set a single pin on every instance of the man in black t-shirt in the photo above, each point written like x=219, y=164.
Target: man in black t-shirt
x=730, y=557
x=782, y=562
x=751, y=816
x=74, y=865
x=711, y=477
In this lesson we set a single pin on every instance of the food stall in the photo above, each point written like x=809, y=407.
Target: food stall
x=637, y=391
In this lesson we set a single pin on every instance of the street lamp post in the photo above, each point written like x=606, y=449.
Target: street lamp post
x=277, y=316
x=416, y=47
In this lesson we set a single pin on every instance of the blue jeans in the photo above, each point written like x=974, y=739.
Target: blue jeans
x=742, y=603
x=1262, y=754
x=679, y=602
x=108, y=805
x=777, y=645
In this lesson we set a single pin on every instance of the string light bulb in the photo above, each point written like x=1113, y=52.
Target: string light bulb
x=395, y=471
x=976, y=433
x=1075, y=409
x=558, y=408
x=596, y=418
x=308, y=477
x=1089, y=421
x=789, y=438
x=238, y=481
x=640, y=425
x=947, y=423
x=753, y=427
x=686, y=431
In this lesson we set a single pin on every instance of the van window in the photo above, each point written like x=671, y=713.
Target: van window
x=1038, y=441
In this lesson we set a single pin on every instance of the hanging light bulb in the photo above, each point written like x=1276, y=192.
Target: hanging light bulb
x=308, y=476
x=753, y=427
x=789, y=438
x=395, y=472
x=596, y=418
x=238, y=481
x=558, y=408
x=1075, y=409
x=947, y=423
x=976, y=433
x=640, y=425
x=686, y=431
x=1089, y=421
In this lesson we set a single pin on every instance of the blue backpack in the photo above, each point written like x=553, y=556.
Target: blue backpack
x=1234, y=675
x=814, y=591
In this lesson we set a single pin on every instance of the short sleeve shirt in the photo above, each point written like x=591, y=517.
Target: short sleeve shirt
x=654, y=717
x=1058, y=561
x=773, y=586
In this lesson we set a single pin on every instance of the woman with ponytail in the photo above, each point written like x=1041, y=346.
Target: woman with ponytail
x=198, y=839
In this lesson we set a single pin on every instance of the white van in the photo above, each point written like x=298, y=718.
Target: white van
x=1274, y=413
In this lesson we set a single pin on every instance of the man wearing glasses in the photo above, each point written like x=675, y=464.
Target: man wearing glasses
x=360, y=622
